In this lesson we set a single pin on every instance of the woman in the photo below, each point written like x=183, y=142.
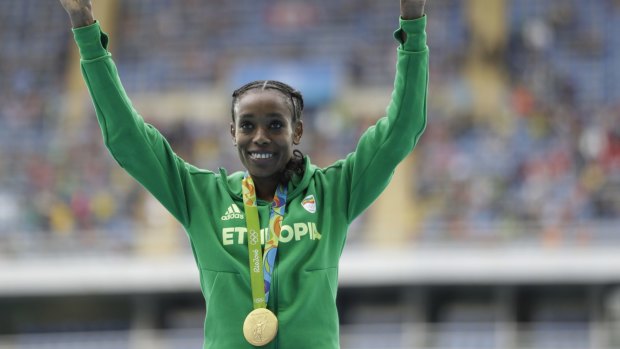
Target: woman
x=284, y=296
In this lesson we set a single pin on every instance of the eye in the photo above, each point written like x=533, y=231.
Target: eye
x=246, y=125
x=276, y=124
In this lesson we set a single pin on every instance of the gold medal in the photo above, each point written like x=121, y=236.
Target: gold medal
x=260, y=327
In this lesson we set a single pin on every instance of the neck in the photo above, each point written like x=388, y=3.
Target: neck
x=265, y=188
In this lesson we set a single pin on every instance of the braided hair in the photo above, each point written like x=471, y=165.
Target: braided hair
x=296, y=164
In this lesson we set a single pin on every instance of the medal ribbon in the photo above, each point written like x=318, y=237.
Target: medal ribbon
x=262, y=264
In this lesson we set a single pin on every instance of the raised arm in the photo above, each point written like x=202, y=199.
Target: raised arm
x=367, y=171
x=135, y=145
x=80, y=12
x=411, y=9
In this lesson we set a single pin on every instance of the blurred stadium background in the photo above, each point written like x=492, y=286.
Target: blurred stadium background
x=501, y=231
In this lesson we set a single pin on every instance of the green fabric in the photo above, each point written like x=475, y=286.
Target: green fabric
x=305, y=280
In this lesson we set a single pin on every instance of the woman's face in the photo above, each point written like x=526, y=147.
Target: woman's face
x=264, y=133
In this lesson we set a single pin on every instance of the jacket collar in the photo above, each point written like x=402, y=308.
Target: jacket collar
x=295, y=186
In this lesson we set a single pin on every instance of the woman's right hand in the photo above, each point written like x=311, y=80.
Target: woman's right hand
x=412, y=9
x=80, y=12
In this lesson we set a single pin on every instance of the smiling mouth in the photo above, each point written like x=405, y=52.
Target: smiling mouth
x=255, y=155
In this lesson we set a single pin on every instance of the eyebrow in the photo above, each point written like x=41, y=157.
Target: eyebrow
x=273, y=115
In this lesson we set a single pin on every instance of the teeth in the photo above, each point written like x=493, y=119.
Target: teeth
x=261, y=155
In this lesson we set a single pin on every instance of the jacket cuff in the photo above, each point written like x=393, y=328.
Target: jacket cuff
x=91, y=41
x=416, y=34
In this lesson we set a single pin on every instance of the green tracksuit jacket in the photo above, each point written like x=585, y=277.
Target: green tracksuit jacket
x=320, y=205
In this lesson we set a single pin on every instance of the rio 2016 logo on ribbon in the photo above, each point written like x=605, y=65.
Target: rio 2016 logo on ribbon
x=256, y=258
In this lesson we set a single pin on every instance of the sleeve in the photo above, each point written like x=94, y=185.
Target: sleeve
x=135, y=145
x=368, y=170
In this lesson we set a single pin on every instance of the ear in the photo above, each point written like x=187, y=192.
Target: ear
x=298, y=132
x=232, y=134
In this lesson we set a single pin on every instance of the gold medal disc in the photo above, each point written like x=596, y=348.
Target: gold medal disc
x=260, y=327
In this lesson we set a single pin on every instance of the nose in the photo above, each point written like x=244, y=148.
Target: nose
x=261, y=137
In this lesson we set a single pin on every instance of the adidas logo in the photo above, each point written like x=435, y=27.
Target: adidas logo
x=232, y=212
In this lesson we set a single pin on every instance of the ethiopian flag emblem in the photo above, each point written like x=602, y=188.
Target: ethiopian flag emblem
x=309, y=203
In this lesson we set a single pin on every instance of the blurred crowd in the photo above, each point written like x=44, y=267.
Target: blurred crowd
x=546, y=167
